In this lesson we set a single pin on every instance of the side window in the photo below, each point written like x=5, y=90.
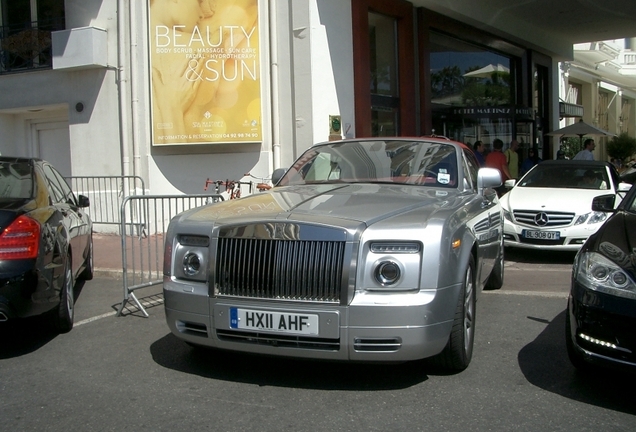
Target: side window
x=60, y=190
x=55, y=190
x=471, y=167
x=69, y=197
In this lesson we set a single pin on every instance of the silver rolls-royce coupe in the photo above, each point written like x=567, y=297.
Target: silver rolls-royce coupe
x=369, y=249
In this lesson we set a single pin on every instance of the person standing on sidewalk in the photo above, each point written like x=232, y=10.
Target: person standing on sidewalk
x=512, y=159
x=496, y=159
x=478, y=149
x=586, y=153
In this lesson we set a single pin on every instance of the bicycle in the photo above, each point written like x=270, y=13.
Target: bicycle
x=232, y=188
x=262, y=186
x=217, y=185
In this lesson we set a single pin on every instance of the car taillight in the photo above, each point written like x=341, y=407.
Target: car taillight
x=20, y=240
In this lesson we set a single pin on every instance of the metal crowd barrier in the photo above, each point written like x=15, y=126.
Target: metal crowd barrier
x=106, y=194
x=142, y=255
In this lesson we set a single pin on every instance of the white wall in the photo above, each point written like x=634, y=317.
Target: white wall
x=36, y=95
x=332, y=66
x=323, y=68
x=7, y=137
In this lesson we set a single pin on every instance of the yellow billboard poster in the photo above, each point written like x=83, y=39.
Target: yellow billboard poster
x=205, y=71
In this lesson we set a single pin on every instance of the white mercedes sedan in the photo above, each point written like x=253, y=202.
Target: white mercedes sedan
x=550, y=208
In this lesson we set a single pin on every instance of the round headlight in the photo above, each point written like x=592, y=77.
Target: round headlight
x=600, y=272
x=191, y=264
x=387, y=273
x=619, y=279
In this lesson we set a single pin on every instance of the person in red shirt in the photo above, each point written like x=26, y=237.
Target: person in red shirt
x=496, y=159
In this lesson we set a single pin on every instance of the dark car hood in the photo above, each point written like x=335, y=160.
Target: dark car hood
x=616, y=239
x=366, y=203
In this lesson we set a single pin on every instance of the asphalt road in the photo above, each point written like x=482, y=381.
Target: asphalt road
x=130, y=373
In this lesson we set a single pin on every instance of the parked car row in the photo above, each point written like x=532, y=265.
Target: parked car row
x=366, y=250
x=587, y=207
x=376, y=249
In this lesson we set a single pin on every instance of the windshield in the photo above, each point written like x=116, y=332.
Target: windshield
x=16, y=180
x=563, y=176
x=376, y=161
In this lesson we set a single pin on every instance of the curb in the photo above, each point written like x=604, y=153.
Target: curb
x=108, y=273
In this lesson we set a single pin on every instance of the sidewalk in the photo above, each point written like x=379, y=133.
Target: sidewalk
x=142, y=254
x=107, y=255
x=106, y=288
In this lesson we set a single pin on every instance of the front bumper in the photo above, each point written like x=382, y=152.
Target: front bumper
x=571, y=238
x=399, y=327
x=603, y=327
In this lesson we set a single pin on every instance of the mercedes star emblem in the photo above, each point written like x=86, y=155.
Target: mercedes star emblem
x=541, y=219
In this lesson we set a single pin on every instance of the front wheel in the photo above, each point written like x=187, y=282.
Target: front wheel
x=458, y=352
x=89, y=266
x=65, y=312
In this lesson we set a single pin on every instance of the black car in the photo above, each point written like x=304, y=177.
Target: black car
x=45, y=242
x=601, y=316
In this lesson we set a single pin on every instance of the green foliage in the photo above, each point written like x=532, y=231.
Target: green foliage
x=571, y=146
x=621, y=147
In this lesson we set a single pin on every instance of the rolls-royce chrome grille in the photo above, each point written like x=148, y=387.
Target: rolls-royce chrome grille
x=543, y=219
x=297, y=270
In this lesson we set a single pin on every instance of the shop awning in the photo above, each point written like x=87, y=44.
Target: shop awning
x=567, y=109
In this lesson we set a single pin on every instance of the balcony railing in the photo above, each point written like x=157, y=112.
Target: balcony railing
x=28, y=46
x=629, y=58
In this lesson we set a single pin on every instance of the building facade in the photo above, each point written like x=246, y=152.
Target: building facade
x=601, y=79
x=179, y=91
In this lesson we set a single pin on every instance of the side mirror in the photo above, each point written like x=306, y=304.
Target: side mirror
x=277, y=175
x=604, y=203
x=510, y=183
x=488, y=178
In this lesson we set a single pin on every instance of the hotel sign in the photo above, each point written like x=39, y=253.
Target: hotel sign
x=520, y=113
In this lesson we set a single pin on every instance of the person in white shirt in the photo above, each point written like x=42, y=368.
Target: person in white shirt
x=586, y=153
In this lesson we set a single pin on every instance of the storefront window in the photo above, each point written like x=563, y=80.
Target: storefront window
x=385, y=99
x=472, y=92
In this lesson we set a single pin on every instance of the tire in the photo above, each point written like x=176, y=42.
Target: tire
x=65, y=312
x=89, y=265
x=458, y=352
x=496, y=279
x=575, y=356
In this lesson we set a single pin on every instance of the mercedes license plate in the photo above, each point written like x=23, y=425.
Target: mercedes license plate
x=280, y=322
x=542, y=235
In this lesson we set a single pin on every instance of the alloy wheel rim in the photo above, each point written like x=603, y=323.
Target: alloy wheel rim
x=469, y=313
x=68, y=287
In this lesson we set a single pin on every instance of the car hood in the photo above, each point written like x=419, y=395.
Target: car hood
x=367, y=203
x=578, y=201
x=616, y=239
